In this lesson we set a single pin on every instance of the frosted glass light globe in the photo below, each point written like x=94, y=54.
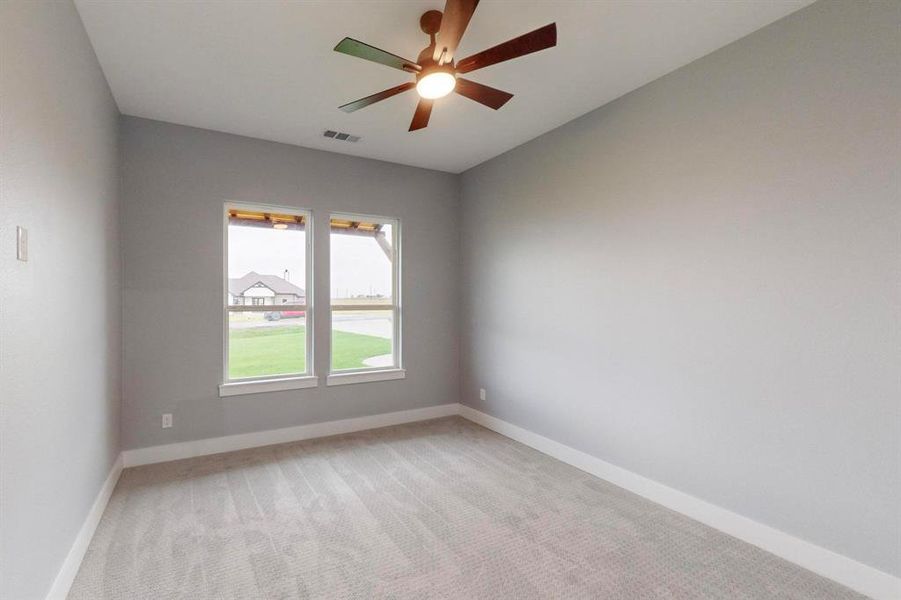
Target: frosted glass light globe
x=436, y=85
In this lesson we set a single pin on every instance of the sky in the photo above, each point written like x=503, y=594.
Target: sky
x=358, y=264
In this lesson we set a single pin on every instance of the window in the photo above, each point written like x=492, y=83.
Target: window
x=267, y=264
x=365, y=302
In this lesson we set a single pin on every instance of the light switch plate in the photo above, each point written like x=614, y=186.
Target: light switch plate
x=21, y=243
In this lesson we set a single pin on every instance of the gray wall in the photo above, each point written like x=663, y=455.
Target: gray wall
x=60, y=311
x=699, y=281
x=175, y=180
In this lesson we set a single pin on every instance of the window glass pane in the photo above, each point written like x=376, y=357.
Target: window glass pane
x=267, y=343
x=266, y=266
x=362, y=339
x=266, y=270
x=361, y=262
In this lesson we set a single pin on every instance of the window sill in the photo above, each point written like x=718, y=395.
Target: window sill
x=237, y=388
x=365, y=376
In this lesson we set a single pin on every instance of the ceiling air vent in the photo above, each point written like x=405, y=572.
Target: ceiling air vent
x=338, y=135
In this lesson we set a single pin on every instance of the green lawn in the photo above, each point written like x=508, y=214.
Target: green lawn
x=279, y=350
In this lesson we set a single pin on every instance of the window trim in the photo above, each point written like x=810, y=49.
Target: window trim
x=396, y=371
x=281, y=381
x=348, y=377
x=239, y=387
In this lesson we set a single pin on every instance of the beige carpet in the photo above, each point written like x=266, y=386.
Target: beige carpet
x=442, y=509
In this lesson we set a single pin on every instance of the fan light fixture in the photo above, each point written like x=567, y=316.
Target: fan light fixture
x=436, y=85
x=437, y=71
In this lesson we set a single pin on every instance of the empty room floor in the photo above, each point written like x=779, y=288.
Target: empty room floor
x=439, y=509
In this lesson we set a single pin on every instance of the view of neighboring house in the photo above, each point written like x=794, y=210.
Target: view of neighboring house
x=255, y=289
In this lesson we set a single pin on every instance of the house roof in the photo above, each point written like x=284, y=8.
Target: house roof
x=239, y=285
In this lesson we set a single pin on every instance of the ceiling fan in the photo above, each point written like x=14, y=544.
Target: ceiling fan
x=436, y=73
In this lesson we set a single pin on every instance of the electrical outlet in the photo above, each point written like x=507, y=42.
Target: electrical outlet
x=481, y=393
x=167, y=420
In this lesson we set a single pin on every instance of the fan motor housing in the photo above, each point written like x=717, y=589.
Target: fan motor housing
x=435, y=68
x=430, y=21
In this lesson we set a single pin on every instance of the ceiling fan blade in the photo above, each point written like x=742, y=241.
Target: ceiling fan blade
x=364, y=102
x=421, y=116
x=482, y=94
x=457, y=14
x=540, y=39
x=366, y=52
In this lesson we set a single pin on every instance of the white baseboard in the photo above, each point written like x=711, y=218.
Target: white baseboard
x=228, y=443
x=66, y=575
x=857, y=576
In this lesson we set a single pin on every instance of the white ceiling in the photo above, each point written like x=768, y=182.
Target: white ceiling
x=266, y=69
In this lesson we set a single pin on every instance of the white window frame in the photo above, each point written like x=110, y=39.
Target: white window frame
x=366, y=374
x=269, y=383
